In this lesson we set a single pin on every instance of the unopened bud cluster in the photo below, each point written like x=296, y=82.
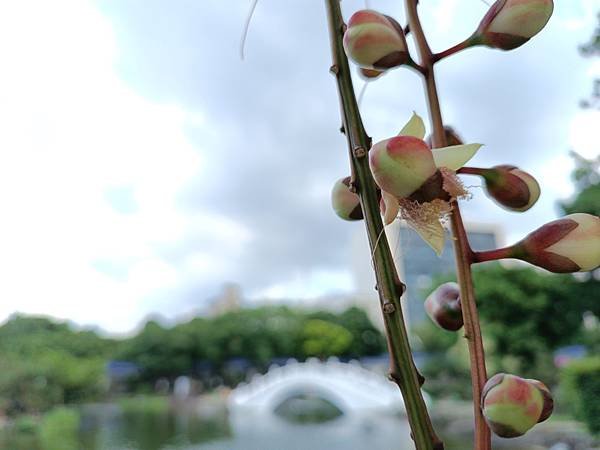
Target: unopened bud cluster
x=512, y=405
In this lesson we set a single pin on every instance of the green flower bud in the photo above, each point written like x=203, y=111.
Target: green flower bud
x=511, y=405
x=401, y=165
x=375, y=41
x=509, y=24
x=346, y=203
x=443, y=307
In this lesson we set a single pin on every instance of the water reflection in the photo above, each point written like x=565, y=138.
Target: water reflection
x=155, y=425
x=307, y=408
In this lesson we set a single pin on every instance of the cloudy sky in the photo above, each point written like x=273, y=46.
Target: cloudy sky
x=143, y=164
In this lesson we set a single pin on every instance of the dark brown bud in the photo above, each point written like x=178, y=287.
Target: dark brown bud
x=511, y=187
x=444, y=308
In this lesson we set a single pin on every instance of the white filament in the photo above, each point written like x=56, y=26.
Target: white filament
x=246, y=27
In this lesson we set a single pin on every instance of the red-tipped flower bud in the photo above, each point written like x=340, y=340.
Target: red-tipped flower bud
x=511, y=405
x=511, y=187
x=510, y=23
x=444, y=308
x=570, y=244
x=401, y=165
x=548, y=400
x=346, y=203
x=375, y=41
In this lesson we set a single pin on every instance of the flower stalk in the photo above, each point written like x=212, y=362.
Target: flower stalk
x=462, y=250
x=402, y=368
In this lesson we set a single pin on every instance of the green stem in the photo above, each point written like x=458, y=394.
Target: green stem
x=402, y=368
x=462, y=250
x=467, y=43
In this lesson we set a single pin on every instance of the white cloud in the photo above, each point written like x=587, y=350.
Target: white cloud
x=584, y=135
x=309, y=285
x=70, y=131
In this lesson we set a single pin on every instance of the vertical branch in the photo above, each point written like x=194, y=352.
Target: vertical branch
x=462, y=250
x=390, y=288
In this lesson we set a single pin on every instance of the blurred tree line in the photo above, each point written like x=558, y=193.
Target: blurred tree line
x=250, y=338
x=44, y=363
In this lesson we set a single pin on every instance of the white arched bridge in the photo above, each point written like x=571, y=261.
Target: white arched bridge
x=351, y=388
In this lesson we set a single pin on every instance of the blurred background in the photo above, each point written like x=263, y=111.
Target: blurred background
x=172, y=274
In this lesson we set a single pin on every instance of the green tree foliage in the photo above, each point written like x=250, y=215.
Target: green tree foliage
x=44, y=363
x=581, y=381
x=587, y=181
x=59, y=430
x=324, y=339
x=257, y=335
x=528, y=314
x=446, y=368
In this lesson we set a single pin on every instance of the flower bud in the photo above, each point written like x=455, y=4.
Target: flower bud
x=401, y=165
x=570, y=244
x=443, y=307
x=511, y=405
x=511, y=187
x=346, y=203
x=375, y=41
x=509, y=24
x=548, y=400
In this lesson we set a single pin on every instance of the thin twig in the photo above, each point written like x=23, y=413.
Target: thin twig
x=462, y=250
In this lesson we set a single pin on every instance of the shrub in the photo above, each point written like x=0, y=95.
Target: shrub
x=582, y=391
x=59, y=429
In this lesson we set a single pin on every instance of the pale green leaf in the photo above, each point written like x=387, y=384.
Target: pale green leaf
x=455, y=156
x=432, y=233
x=415, y=127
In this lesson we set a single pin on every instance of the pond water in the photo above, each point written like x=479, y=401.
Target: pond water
x=112, y=427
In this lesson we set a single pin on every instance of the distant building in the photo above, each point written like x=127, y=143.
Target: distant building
x=417, y=265
x=230, y=299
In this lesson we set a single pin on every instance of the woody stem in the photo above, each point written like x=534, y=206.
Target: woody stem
x=462, y=250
